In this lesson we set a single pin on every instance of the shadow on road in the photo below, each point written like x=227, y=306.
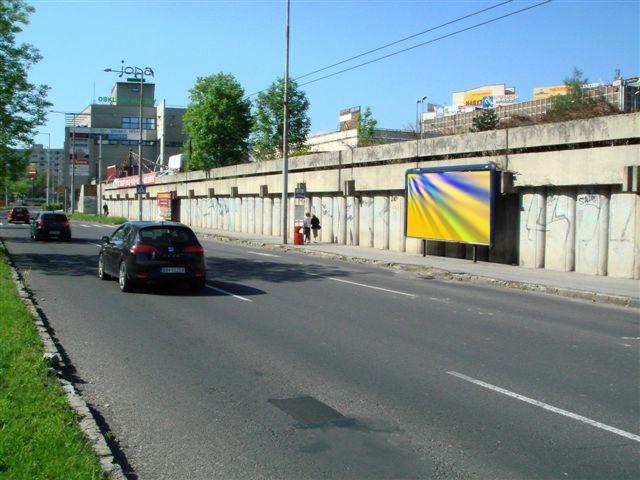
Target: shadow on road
x=240, y=269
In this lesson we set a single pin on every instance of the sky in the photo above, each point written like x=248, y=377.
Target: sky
x=184, y=40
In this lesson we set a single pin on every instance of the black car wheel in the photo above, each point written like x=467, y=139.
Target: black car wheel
x=101, y=274
x=123, y=279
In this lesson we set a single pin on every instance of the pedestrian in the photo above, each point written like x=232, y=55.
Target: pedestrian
x=105, y=210
x=315, y=226
x=307, y=227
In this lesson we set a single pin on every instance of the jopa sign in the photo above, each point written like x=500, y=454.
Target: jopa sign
x=135, y=71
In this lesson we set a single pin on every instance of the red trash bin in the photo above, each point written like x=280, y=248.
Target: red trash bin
x=298, y=238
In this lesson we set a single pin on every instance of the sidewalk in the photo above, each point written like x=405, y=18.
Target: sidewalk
x=619, y=291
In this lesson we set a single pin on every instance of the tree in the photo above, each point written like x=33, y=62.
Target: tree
x=217, y=122
x=487, y=120
x=574, y=104
x=366, y=128
x=269, y=117
x=23, y=105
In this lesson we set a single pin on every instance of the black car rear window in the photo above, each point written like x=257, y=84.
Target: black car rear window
x=20, y=210
x=166, y=235
x=54, y=217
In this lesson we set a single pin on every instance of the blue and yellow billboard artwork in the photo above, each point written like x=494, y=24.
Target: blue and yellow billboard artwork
x=454, y=206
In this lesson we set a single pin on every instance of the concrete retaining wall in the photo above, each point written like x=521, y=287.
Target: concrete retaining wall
x=566, y=210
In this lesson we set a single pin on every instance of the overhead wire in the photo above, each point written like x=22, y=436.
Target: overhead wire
x=382, y=47
x=455, y=20
x=457, y=32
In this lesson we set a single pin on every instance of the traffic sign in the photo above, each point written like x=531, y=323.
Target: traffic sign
x=299, y=193
x=141, y=189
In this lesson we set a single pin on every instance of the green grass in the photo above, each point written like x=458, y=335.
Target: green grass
x=92, y=217
x=39, y=433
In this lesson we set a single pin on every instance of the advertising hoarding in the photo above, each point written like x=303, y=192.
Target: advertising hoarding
x=164, y=205
x=453, y=204
x=540, y=93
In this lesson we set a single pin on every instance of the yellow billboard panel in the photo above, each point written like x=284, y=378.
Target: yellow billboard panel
x=454, y=206
x=540, y=93
x=474, y=97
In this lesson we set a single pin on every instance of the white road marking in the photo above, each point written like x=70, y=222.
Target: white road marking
x=96, y=244
x=551, y=408
x=229, y=293
x=265, y=254
x=85, y=226
x=362, y=285
x=630, y=338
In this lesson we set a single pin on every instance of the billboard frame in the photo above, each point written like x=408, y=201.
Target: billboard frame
x=493, y=191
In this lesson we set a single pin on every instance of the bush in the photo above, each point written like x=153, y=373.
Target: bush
x=52, y=206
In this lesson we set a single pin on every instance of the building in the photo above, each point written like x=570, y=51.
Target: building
x=41, y=157
x=458, y=118
x=347, y=135
x=114, y=124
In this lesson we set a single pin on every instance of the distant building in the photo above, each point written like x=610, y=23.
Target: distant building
x=41, y=157
x=347, y=135
x=458, y=118
x=115, y=124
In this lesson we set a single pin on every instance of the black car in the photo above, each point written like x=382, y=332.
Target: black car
x=48, y=225
x=152, y=252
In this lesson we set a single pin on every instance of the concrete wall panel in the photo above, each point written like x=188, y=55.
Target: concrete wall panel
x=532, y=229
x=560, y=238
x=623, y=243
x=366, y=221
x=381, y=222
x=396, y=223
x=592, y=230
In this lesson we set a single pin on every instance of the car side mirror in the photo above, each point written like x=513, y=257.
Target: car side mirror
x=105, y=239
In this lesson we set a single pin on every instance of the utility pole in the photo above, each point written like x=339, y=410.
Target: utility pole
x=140, y=150
x=73, y=163
x=285, y=134
x=100, y=175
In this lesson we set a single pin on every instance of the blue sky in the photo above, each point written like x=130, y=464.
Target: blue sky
x=182, y=40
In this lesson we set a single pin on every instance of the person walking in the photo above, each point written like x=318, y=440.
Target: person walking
x=105, y=210
x=307, y=227
x=315, y=226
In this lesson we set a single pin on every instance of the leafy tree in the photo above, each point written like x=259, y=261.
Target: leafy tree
x=217, y=122
x=574, y=104
x=366, y=128
x=487, y=120
x=23, y=105
x=269, y=117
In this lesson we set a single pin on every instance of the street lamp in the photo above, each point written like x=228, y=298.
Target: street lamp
x=71, y=117
x=138, y=74
x=48, y=166
x=418, y=119
x=285, y=134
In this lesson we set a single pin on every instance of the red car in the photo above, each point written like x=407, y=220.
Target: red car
x=18, y=214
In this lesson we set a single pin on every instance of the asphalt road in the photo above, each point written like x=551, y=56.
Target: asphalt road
x=295, y=367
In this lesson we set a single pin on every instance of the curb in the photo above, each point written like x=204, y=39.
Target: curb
x=432, y=272
x=111, y=469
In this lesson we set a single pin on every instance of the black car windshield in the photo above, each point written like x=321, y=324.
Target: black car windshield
x=166, y=235
x=54, y=217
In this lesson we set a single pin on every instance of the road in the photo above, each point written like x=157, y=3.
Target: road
x=293, y=367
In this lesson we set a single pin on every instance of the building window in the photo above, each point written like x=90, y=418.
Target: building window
x=148, y=123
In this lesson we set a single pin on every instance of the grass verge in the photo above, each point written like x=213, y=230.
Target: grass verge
x=92, y=217
x=39, y=433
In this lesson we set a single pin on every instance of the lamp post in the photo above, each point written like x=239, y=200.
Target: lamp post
x=48, y=165
x=138, y=74
x=285, y=135
x=72, y=118
x=418, y=118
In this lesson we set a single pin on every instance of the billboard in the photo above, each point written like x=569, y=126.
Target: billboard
x=452, y=204
x=540, y=93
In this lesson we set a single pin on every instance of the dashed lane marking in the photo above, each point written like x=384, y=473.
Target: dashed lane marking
x=264, y=254
x=363, y=285
x=220, y=290
x=546, y=406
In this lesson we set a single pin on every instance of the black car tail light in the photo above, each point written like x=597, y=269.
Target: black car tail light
x=194, y=249
x=142, y=248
